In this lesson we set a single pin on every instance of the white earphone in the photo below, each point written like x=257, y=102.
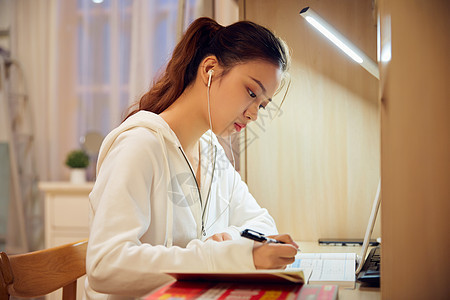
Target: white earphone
x=210, y=72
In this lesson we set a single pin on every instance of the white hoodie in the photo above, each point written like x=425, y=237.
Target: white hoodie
x=147, y=215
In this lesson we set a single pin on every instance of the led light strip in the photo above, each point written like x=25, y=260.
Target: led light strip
x=340, y=41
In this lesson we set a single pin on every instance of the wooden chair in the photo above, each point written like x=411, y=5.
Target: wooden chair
x=41, y=272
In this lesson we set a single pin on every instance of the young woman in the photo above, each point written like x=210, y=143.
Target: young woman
x=166, y=197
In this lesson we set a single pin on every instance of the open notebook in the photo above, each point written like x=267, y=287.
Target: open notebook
x=338, y=268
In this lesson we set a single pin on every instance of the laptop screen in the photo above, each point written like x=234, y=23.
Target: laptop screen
x=370, y=226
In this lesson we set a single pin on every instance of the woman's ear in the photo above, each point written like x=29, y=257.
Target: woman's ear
x=207, y=69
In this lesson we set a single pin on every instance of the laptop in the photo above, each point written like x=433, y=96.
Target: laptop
x=368, y=269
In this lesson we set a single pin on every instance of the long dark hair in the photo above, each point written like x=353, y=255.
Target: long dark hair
x=237, y=43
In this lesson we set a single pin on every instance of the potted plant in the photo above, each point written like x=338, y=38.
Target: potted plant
x=77, y=161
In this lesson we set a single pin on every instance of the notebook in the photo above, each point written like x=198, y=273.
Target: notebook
x=339, y=268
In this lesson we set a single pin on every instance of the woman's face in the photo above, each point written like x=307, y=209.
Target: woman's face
x=237, y=96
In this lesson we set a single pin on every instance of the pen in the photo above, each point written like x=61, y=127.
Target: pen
x=259, y=237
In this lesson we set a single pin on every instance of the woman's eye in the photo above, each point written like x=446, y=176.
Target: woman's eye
x=253, y=95
x=262, y=106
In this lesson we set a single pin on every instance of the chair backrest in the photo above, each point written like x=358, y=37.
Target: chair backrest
x=41, y=272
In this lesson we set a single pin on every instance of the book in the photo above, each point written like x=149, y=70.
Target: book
x=328, y=268
x=213, y=290
x=293, y=275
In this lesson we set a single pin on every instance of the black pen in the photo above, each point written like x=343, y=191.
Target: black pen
x=260, y=237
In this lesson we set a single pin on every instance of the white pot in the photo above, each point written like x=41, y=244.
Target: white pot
x=77, y=176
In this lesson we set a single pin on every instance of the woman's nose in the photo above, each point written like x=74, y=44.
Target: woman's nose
x=251, y=113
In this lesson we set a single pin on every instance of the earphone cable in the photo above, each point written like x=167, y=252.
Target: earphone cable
x=211, y=149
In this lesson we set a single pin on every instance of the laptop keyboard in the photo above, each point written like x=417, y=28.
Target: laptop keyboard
x=370, y=272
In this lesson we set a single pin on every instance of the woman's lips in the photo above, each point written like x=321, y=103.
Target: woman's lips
x=239, y=127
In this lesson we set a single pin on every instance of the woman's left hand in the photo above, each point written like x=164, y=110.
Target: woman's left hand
x=220, y=237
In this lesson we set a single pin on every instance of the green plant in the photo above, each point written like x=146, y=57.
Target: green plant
x=77, y=159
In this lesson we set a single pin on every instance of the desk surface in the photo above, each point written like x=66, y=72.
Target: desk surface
x=363, y=293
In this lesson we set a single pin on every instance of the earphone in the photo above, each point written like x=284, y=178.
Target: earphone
x=210, y=72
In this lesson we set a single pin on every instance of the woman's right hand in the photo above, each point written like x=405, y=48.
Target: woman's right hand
x=275, y=255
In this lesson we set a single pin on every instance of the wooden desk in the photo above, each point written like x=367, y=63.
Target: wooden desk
x=363, y=293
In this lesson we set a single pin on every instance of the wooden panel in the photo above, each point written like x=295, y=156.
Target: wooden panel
x=415, y=151
x=316, y=165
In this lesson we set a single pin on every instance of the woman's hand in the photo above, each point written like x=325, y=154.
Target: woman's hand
x=275, y=255
x=220, y=237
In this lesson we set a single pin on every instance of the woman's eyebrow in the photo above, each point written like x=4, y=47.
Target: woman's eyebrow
x=262, y=87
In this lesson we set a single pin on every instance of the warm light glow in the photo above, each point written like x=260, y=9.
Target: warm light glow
x=384, y=46
x=334, y=39
x=386, y=53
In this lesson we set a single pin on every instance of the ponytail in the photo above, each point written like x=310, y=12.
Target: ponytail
x=185, y=60
x=240, y=42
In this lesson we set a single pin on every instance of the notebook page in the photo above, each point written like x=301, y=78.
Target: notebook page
x=327, y=267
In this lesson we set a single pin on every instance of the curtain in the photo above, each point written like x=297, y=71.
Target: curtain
x=31, y=105
x=103, y=39
x=143, y=65
x=154, y=35
x=33, y=45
